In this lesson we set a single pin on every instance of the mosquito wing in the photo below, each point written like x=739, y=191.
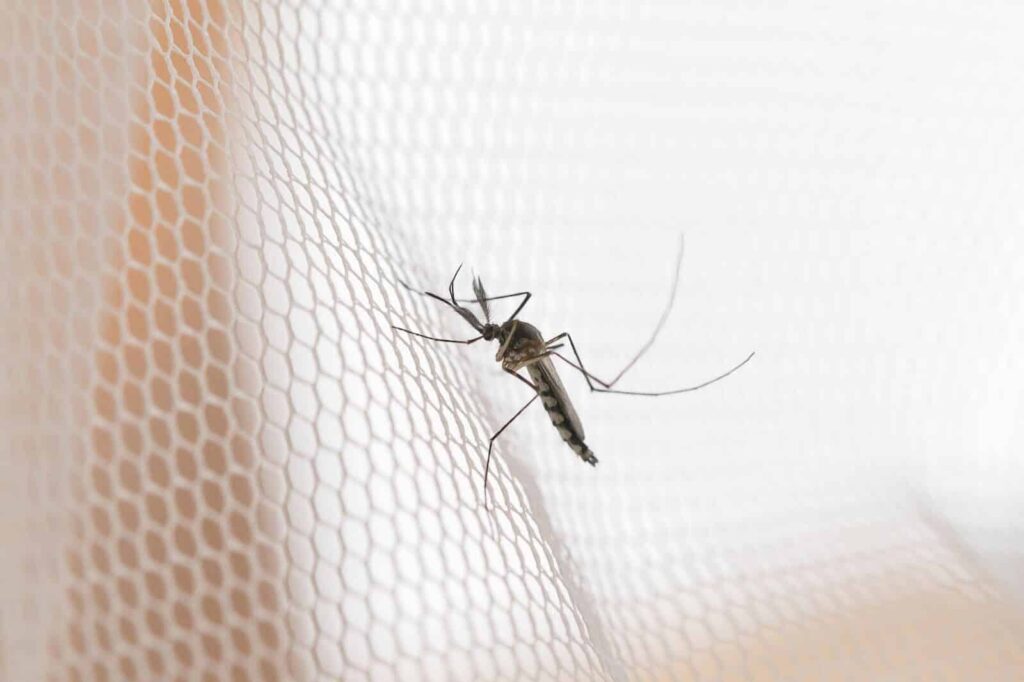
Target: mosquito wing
x=547, y=371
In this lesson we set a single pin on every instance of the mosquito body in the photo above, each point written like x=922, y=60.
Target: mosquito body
x=522, y=346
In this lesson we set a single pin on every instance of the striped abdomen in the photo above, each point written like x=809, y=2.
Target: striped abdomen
x=559, y=409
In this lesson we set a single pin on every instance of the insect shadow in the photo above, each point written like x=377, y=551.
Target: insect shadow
x=522, y=346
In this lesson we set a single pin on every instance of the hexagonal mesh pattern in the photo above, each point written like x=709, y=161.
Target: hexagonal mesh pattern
x=220, y=463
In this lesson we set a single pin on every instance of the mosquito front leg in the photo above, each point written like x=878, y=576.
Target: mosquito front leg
x=428, y=294
x=522, y=304
x=525, y=294
x=434, y=338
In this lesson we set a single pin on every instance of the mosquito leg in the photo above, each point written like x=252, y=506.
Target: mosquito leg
x=536, y=391
x=650, y=342
x=490, y=446
x=526, y=299
x=588, y=376
x=525, y=294
x=661, y=320
x=434, y=338
x=523, y=379
x=451, y=301
x=494, y=298
x=428, y=294
x=451, y=285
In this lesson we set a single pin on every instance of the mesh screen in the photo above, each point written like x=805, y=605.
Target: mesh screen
x=221, y=463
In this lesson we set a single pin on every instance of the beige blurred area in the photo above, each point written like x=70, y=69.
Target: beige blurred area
x=143, y=532
x=131, y=491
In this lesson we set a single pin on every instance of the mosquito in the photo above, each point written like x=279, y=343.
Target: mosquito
x=522, y=346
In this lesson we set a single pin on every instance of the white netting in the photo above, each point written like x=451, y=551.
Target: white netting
x=220, y=462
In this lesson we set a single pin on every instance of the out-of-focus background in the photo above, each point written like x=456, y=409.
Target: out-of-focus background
x=220, y=462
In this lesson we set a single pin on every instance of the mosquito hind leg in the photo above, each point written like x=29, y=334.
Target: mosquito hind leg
x=606, y=386
x=645, y=347
x=552, y=346
x=588, y=376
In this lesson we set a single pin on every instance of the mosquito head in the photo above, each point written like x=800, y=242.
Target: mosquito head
x=490, y=331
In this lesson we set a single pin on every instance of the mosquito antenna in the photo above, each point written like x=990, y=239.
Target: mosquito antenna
x=451, y=285
x=664, y=315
